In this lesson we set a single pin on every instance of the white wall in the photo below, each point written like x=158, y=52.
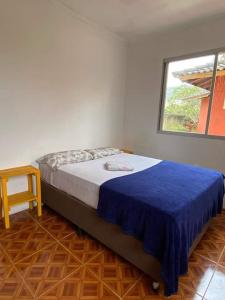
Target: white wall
x=61, y=83
x=145, y=59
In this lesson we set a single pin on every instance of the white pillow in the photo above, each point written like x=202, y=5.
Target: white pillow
x=102, y=152
x=57, y=159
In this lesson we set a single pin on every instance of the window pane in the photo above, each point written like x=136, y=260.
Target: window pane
x=187, y=94
x=217, y=115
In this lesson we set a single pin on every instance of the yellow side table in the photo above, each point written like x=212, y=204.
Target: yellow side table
x=128, y=151
x=7, y=201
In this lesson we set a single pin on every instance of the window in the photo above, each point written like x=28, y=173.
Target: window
x=194, y=95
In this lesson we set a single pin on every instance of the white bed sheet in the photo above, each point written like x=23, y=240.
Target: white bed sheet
x=82, y=180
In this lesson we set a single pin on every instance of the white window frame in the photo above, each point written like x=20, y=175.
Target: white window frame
x=166, y=62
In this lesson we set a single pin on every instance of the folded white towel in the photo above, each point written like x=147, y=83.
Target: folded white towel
x=118, y=166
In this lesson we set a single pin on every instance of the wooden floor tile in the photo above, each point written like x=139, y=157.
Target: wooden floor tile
x=18, y=222
x=216, y=289
x=216, y=230
x=5, y=266
x=210, y=247
x=82, y=247
x=11, y=285
x=45, y=268
x=217, y=227
x=47, y=214
x=58, y=227
x=185, y=293
x=222, y=259
x=82, y=285
x=116, y=273
x=34, y=265
x=26, y=242
x=14, y=290
x=200, y=272
x=142, y=291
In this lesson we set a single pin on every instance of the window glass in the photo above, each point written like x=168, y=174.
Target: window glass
x=187, y=94
x=217, y=113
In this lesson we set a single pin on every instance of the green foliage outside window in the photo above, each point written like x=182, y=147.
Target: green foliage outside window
x=183, y=114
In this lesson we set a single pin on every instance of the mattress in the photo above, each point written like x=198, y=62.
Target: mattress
x=83, y=180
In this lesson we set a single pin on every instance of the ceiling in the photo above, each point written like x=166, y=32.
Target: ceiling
x=131, y=18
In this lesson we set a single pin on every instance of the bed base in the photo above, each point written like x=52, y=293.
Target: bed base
x=110, y=235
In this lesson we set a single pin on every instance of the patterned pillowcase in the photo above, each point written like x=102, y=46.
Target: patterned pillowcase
x=102, y=152
x=58, y=159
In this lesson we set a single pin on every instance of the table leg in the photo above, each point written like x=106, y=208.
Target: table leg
x=38, y=191
x=30, y=188
x=5, y=203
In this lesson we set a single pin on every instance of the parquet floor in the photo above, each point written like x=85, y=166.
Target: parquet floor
x=43, y=258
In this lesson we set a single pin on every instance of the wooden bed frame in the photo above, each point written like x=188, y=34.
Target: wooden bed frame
x=110, y=235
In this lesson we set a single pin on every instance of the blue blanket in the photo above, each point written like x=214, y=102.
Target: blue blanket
x=165, y=206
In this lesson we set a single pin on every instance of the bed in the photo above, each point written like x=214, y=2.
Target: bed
x=85, y=192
